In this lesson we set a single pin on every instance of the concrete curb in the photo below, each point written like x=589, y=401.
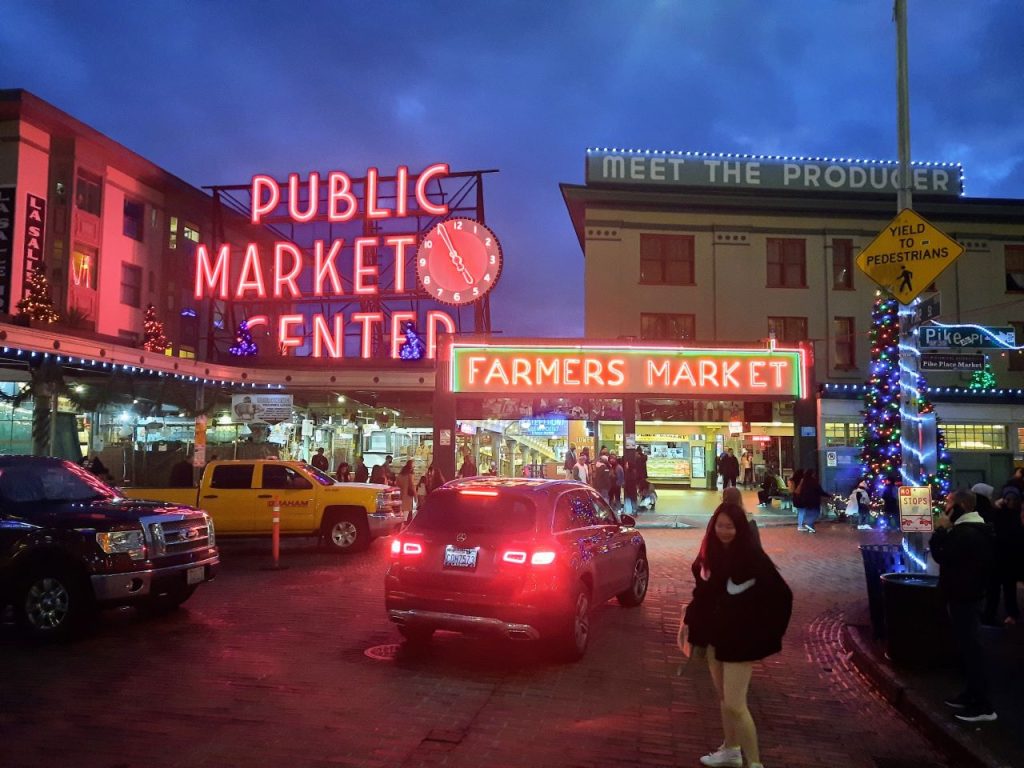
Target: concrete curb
x=960, y=744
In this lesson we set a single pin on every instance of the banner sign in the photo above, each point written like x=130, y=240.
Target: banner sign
x=603, y=370
x=696, y=169
x=966, y=336
x=261, y=409
x=6, y=246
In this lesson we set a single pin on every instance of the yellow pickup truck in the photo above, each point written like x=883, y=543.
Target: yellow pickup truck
x=240, y=496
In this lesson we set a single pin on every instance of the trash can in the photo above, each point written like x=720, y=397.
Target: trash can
x=879, y=559
x=917, y=630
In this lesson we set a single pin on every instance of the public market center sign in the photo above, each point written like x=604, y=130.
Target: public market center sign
x=614, y=370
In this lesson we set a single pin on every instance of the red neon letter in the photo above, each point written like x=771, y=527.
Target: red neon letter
x=322, y=336
x=284, y=336
x=400, y=243
x=260, y=208
x=617, y=369
x=339, y=187
x=360, y=269
x=474, y=362
x=282, y=279
x=778, y=365
x=398, y=319
x=324, y=265
x=367, y=319
x=209, y=278
x=372, y=211
x=402, y=191
x=438, y=169
x=251, y=278
x=252, y=322
x=436, y=317
x=312, y=202
x=756, y=371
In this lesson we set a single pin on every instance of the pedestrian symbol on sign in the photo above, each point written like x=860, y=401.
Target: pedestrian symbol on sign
x=905, y=277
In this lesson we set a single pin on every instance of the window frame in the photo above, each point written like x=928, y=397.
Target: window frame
x=665, y=257
x=786, y=319
x=1014, y=252
x=842, y=256
x=128, y=268
x=137, y=214
x=847, y=340
x=663, y=320
x=88, y=192
x=785, y=253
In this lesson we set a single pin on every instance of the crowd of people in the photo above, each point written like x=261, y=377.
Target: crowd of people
x=622, y=482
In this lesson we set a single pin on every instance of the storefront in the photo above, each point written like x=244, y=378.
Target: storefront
x=599, y=391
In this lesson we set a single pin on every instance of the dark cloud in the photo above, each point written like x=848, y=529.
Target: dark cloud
x=215, y=91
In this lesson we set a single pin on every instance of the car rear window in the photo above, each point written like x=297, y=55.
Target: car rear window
x=452, y=510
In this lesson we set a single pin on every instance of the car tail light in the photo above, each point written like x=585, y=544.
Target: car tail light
x=518, y=556
x=399, y=547
x=479, y=493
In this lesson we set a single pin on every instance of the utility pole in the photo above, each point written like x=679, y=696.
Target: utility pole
x=912, y=434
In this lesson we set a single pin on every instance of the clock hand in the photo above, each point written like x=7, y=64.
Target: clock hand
x=454, y=255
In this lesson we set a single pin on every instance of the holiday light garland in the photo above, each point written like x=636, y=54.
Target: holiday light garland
x=983, y=379
x=244, y=346
x=37, y=304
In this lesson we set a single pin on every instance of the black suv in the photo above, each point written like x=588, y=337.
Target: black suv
x=70, y=543
x=519, y=558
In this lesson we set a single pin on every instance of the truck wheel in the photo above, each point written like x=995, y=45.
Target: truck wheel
x=52, y=602
x=166, y=601
x=572, y=643
x=638, y=585
x=346, y=532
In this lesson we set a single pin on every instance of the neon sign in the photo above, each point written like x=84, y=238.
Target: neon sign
x=262, y=271
x=604, y=369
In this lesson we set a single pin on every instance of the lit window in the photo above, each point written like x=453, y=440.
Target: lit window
x=172, y=233
x=83, y=266
x=975, y=437
x=190, y=233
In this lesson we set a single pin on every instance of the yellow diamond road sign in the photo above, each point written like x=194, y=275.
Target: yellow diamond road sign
x=908, y=255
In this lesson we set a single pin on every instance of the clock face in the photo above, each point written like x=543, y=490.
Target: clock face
x=458, y=261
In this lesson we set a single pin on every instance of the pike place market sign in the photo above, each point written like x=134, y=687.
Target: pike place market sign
x=611, y=369
x=697, y=169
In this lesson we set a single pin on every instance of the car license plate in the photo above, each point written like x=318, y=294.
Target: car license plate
x=454, y=557
x=195, y=575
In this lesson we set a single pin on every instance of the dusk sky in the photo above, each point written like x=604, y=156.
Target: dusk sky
x=217, y=91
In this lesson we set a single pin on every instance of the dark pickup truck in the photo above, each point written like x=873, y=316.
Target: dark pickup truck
x=70, y=544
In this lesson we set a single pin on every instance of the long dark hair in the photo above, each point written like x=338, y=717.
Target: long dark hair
x=714, y=556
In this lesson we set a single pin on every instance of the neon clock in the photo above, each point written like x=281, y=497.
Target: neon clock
x=458, y=261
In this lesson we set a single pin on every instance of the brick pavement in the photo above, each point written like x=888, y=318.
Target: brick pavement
x=270, y=668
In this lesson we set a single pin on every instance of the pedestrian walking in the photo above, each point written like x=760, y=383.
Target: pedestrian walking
x=629, y=488
x=615, y=494
x=581, y=471
x=570, y=462
x=602, y=478
x=733, y=496
x=406, y=483
x=891, y=501
x=739, y=613
x=1009, y=555
x=963, y=546
x=320, y=461
x=807, y=501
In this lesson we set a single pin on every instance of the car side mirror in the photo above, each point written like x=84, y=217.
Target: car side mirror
x=628, y=520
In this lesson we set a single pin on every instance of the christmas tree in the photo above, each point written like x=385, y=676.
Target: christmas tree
x=983, y=379
x=153, y=338
x=881, y=453
x=37, y=304
x=413, y=348
x=244, y=346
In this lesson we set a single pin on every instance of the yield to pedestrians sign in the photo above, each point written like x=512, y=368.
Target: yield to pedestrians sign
x=908, y=255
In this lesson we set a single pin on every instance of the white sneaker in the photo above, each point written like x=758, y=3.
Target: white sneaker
x=725, y=757
x=863, y=527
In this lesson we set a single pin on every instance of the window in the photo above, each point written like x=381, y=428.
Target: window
x=1015, y=357
x=284, y=478
x=83, y=266
x=190, y=233
x=232, y=476
x=134, y=219
x=172, y=233
x=573, y=510
x=842, y=264
x=88, y=190
x=131, y=285
x=131, y=338
x=666, y=259
x=975, y=437
x=843, y=434
x=1015, y=268
x=603, y=514
x=788, y=328
x=845, y=343
x=787, y=263
x=667, y=327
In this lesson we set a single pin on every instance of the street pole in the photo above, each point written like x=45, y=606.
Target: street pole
x=911, y=434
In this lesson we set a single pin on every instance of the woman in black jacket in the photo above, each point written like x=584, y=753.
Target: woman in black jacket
x=740, y=610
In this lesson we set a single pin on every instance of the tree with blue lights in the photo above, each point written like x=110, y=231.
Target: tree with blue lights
x=881, y=453
x=414, y=348
x=244, y=346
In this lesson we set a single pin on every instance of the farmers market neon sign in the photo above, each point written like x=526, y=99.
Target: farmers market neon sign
x=271, y=271
x=584, y=369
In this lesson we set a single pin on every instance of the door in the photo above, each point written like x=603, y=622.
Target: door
x=228, y=497
x=618, y=562
x=293, y=492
